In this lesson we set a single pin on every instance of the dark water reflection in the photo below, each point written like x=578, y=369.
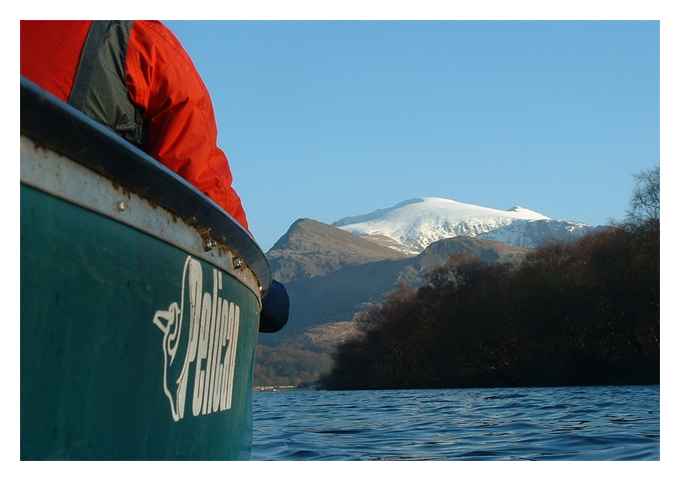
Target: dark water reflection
x=569, y=423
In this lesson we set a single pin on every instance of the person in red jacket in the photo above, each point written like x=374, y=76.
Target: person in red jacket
x=135, y=77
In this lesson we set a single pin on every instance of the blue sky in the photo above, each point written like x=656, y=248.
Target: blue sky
x=330, y=119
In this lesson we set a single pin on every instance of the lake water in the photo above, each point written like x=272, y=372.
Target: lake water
x=566, y=423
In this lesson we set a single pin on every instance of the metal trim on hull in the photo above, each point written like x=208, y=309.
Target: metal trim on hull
x=55, y=125
x=60, y=177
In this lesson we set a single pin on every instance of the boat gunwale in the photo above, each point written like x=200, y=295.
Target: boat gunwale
x=68, y=181
x=55, y=125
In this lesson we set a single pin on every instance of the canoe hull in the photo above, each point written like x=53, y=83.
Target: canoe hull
x=131, y=347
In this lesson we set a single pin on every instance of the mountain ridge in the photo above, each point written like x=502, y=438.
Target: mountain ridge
x=412, y=225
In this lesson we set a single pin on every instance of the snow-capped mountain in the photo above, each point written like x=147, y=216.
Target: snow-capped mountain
x=414, y=224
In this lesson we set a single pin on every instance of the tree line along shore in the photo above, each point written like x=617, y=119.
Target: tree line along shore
x=579, y=313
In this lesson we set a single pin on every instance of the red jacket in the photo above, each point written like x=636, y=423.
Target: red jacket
x=160, y=81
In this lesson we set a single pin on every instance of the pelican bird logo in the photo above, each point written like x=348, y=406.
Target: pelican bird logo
x=170, y=323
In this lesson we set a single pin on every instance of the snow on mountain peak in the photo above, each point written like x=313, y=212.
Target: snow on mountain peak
x=416, y=223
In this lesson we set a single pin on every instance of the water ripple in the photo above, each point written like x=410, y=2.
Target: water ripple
x=605, y=423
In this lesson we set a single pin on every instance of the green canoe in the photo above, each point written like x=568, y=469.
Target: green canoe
x=140, y=301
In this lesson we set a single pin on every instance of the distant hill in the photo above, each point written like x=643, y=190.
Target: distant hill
x=303, y=358
x=323, y=305
x=332, y=284
x=334, y=271
x=437, y=253
x=310, y=248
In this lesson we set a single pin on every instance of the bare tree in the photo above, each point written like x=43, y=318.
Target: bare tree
x=645, y=202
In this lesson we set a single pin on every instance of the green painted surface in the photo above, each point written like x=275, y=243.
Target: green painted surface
x=92, y=359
